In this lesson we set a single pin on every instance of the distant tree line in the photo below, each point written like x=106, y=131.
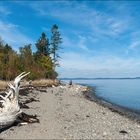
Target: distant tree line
x=41, y=63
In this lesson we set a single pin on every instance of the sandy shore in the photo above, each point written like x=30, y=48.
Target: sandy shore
x=64, y=112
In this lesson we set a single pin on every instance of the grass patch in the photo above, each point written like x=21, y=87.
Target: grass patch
x=41, y=82
x=3, y=84
x=45, y=82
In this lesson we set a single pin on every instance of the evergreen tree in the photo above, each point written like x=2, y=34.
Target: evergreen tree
x=42, y=45
x=26, y=57
x=56, y=40
x=43, y=59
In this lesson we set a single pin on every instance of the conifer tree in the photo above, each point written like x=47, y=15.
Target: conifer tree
x=56, y=40
x=42, y=45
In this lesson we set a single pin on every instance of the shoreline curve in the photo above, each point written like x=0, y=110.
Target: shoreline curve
x=132, y=114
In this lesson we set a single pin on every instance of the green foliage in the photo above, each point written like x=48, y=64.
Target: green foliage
x=8, y=62
x=40, y=63
x=42, y=45
x=56, y=40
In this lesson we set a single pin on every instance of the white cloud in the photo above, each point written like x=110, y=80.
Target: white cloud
x=77, y=65
x=134, y=44
x=4, y=10
x=80, y=43
x=12, y=35
x=80, y=14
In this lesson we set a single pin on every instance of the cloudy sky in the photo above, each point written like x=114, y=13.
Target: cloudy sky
x=100, y=38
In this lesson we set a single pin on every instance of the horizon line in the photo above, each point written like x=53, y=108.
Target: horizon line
x=80, y=78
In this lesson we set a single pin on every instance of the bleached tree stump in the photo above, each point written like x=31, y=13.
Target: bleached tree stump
x=10, y=109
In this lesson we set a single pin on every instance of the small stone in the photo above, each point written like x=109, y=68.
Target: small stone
x=103, y=112
x=123, y=132
x=87, y=116
x=76, y=114
x=104, y=133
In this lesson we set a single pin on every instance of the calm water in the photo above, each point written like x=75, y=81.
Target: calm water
x=122, y=92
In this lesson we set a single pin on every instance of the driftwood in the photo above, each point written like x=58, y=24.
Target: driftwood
x=10, y=109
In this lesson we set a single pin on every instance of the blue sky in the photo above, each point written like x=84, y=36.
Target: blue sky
x=100, y=38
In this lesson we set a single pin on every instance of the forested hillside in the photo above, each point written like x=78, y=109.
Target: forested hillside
x=41, y=63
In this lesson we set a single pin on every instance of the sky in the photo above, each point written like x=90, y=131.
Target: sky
x=100, y=38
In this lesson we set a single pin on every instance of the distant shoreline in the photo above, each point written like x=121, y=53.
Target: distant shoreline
x=125, y=78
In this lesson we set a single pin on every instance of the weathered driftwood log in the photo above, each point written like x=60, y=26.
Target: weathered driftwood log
x=10, y=109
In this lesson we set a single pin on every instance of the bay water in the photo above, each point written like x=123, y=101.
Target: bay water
x=123, y=92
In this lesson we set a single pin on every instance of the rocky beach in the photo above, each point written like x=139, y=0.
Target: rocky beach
x=65, y=113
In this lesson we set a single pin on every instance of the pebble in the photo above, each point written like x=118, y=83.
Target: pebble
x=78, y=118
x=104, y=133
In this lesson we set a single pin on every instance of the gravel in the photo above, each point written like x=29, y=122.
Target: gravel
x=64, y=112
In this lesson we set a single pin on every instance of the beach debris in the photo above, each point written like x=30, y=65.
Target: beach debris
x=24, y=118
x=123, y=132
x=87, y=116
x=23, y=105
x=31, y=100
x=10, y=108
x=23, y=123
x=70, y=83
